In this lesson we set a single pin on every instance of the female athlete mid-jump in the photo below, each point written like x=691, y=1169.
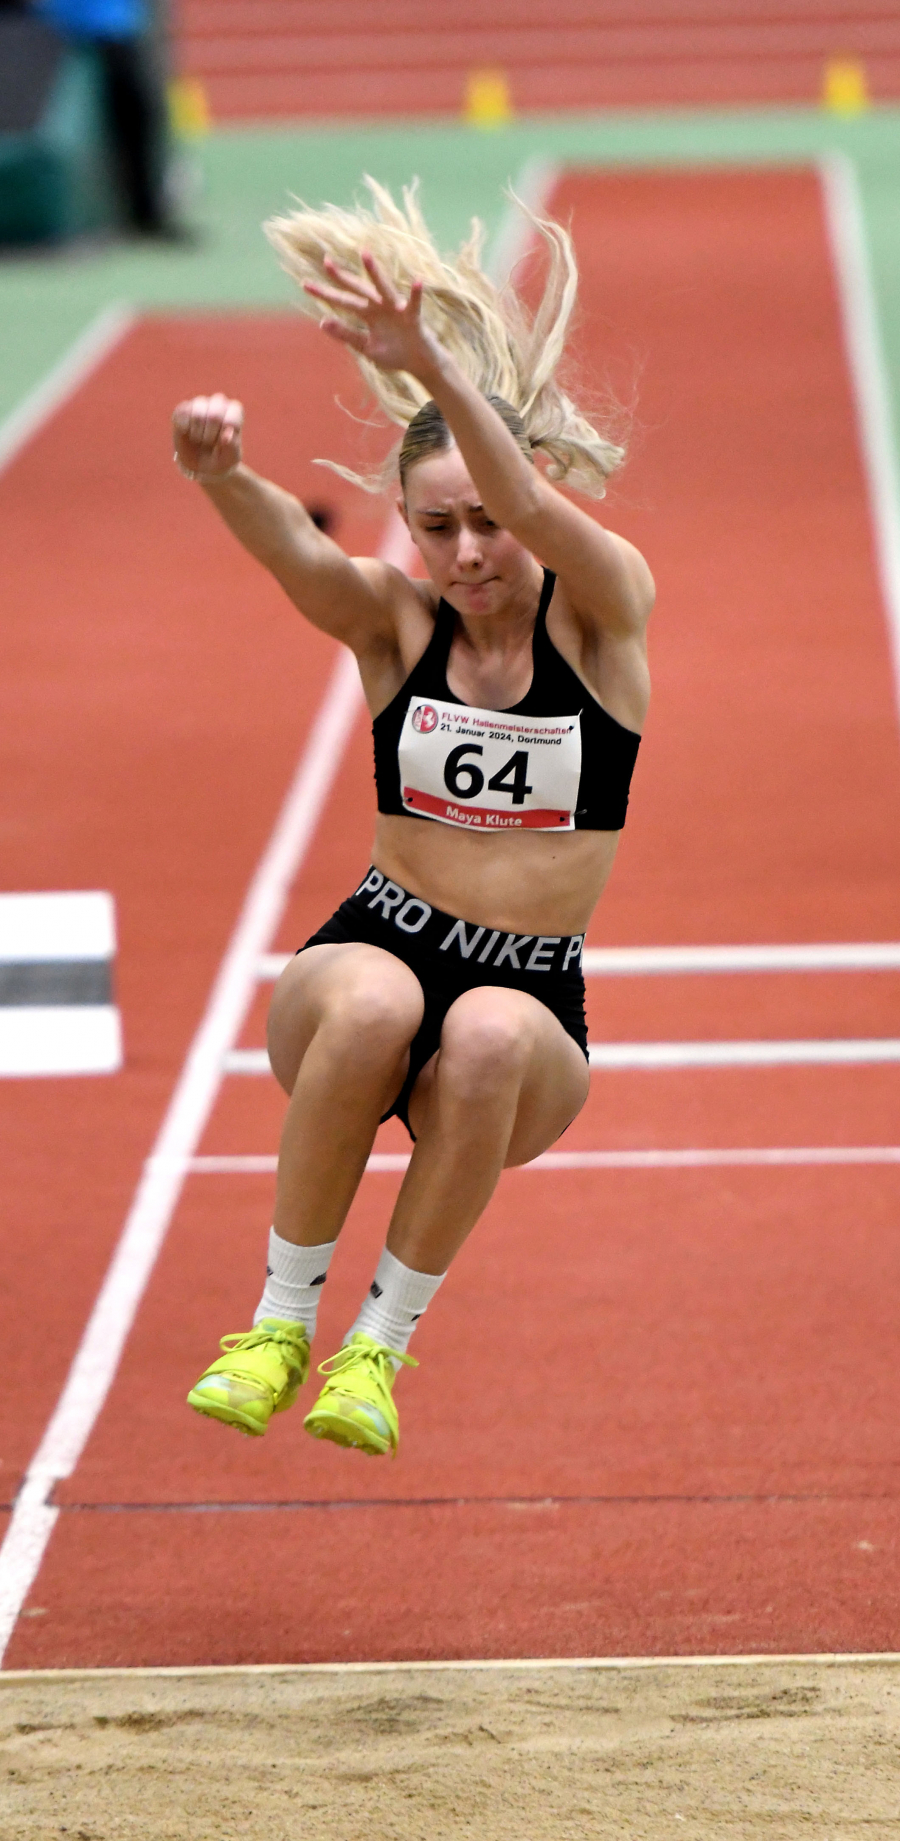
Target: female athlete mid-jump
x=507, y=697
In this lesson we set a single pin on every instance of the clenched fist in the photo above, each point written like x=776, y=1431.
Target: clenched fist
x=207, y=434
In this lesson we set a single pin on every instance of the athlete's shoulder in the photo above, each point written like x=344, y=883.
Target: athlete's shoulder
x=610, y=659
x=638, y=575
x=398, y=639
x=397, y=591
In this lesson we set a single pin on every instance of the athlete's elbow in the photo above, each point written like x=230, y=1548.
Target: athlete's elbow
x=643, y=584
x=525, y=514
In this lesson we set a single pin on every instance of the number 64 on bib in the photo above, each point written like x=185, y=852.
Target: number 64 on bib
x=483, y=770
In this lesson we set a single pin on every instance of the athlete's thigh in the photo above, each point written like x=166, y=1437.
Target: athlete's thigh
x=349, y=977
x=554, y=1089
x=554, y=1077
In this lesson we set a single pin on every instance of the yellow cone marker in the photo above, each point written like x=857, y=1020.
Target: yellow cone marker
x=845, y=89
x=488, y=103
x=189, y=111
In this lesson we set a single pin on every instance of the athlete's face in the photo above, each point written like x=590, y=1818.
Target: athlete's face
x=476, y=566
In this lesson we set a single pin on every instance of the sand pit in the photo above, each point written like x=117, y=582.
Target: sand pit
x=774, y=1749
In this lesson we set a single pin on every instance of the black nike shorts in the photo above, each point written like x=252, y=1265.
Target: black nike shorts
x=449, y=956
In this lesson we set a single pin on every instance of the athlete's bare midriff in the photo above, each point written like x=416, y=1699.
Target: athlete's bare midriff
x=536, y=883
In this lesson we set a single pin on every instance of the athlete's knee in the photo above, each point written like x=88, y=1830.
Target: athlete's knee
x=373, y=1010
x=485, y=1043
x=365, y=1009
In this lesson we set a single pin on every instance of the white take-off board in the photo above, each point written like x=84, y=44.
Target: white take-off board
x=57, y=1010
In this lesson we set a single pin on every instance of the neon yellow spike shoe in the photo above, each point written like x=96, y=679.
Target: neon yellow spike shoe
x=258, y=1375
x=356, y=1406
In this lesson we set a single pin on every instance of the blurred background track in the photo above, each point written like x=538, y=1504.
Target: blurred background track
x=48, y=297
x=261, y=58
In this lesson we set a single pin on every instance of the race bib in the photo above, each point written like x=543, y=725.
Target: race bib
x=489, y=772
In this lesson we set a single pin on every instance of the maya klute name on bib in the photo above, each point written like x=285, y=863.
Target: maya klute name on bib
x=480, y=819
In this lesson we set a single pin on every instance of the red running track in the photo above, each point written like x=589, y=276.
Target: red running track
x=656, y=1412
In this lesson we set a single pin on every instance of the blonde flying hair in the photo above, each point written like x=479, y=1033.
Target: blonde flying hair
x=509, y=355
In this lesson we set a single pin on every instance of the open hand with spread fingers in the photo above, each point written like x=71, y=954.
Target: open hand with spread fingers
x=392, y=334
x=207, y=435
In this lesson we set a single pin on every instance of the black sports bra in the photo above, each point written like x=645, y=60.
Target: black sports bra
x=555, y=761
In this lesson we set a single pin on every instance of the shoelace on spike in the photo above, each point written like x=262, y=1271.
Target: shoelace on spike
x=251, y=1339
x=351, y=1352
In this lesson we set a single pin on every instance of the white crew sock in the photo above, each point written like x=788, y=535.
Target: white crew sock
x=395, y=1303
x=294, y=1280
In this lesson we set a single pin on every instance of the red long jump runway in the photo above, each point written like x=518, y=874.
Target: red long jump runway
x=656, y=1410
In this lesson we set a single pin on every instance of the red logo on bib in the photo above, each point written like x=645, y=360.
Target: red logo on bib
x=424, y=719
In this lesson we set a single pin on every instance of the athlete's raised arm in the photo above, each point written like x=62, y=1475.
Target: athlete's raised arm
x=348, y=598
x=607, y=580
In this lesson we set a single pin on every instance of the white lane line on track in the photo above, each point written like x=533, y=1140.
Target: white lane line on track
x=271, y=965
x=159, y=1188
x=533, y=184
x=87, y=351
x=869, y=377
x=383, y=1162
x=762, y=1054
x=671, y=961
x=774, y=1155
x=246, y=1061
x=832, y=956
x=613, y=1056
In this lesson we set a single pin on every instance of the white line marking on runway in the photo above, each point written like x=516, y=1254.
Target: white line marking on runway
x=717, y=1159
x=87, y=351
x=613, y=1056
x=384, y=1162
x=764, y=1054
x=246, y=1061
x=868, y=373
x=533, y=184
x=837, y=956
x=271, y=965
x=639, y=961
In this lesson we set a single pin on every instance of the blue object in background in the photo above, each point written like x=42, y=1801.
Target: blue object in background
x=84, y=138
x=96, y=19
x=54, y=163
